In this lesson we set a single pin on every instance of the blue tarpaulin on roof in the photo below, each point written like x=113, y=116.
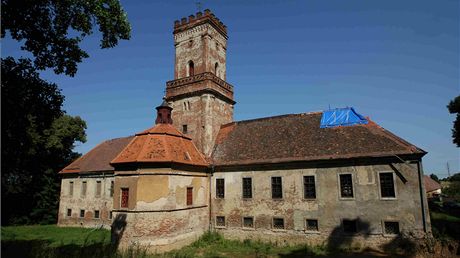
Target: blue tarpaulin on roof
x=341, y=117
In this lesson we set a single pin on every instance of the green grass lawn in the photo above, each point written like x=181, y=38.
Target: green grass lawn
x=56, y=236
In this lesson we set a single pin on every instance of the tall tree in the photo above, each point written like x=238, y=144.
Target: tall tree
x=52, y=30
x=37, y=141
x=454, y=108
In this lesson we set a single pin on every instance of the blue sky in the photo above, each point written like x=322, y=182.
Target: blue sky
x=394, y=61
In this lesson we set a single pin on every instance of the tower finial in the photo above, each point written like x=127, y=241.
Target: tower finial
x=198, y=6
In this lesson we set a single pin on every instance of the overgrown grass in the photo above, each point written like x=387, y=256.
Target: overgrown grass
x=444, y=216
x=56, y=236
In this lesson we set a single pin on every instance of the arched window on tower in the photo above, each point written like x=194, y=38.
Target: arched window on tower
x=216, y=69
x=191, y=68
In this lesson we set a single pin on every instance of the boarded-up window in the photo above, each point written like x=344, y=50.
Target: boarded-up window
x=98, y=188
x=387, y=186
x=277, y=188
x=112, y=184
x=346, y=186
x=124, y=197
x=83, y=188
x=71, y=188
x=220, y=188
x=309, y=189
x=189, y=195
x=247, y=187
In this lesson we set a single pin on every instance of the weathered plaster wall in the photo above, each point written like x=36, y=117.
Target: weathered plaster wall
x=328, y=207
x=158, y=216
x=89, y=202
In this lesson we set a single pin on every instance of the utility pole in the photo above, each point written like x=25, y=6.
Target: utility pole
x=448, y=168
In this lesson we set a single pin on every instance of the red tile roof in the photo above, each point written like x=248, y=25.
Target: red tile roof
x=430, y=184
x=298, y=137
x=161, y=144
x=98, y=159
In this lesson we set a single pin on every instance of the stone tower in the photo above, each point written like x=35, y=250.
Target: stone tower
x=200, y=97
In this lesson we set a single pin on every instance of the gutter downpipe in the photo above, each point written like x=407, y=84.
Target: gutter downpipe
x=210, y=200
x=422, y=199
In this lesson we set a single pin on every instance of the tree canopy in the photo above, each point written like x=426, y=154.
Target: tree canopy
x=37, y=141
x=454, y=108
x=53, y=30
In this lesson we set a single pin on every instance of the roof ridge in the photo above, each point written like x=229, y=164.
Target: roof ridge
x=270, y=117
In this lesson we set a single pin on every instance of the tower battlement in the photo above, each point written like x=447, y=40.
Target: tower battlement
x=198, y=19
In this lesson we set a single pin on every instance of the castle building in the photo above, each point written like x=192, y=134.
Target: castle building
x=320, y=177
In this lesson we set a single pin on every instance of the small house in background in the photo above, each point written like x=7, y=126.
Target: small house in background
x=432, y=188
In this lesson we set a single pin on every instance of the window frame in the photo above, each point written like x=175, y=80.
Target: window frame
x=98, y=212
x=220, y=195
x=71, y=188
x=271, y=187
x=352, y=186
x=121, y=198
x=84, y=213
x=306, y=226
x=243, y=188
x=67, y=213
x=380, y=185
x=304, y=188
x=273, y=224
x=384, y=231
x=356, y=226
x=112, y=188
x=98, y=194
x=253, y=222
x=188, y=201
x=220, y=226
x=84, y=193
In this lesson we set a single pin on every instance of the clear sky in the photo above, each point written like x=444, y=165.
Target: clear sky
x=394, y=61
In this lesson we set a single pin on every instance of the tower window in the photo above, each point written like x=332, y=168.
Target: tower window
x=184, y=129
x=124, y=198
x=191, y=68
x=216, y=66
x=220, y=188
x=189, y=196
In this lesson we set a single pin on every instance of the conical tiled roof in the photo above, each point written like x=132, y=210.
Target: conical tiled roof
x=161, y=144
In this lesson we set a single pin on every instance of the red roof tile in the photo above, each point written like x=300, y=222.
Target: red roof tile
x=98, y=159
x=298, y=137
x=430, y=184
x=162, y=144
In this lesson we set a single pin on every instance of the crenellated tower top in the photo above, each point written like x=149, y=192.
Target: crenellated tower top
x=198, y=19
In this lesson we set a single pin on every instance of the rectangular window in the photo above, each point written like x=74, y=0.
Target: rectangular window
x=278, y=223
x=309, y=188
x=248, y=222
x=112, y=184
x=124, y=198
x=69, y=212
x=346, y=186
x=110, y=215
x=247, y=187
x=82, y=213
x=277, y=188
x=391, y=227
x=220, y=221
x=96, y=214
x=83, y=189
x=350, y=226
x=189, y=195
x=98, y=188
x=220, y=188
x=387, y=186
x=71, y=188
x=312, y=224
x=184, y=129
